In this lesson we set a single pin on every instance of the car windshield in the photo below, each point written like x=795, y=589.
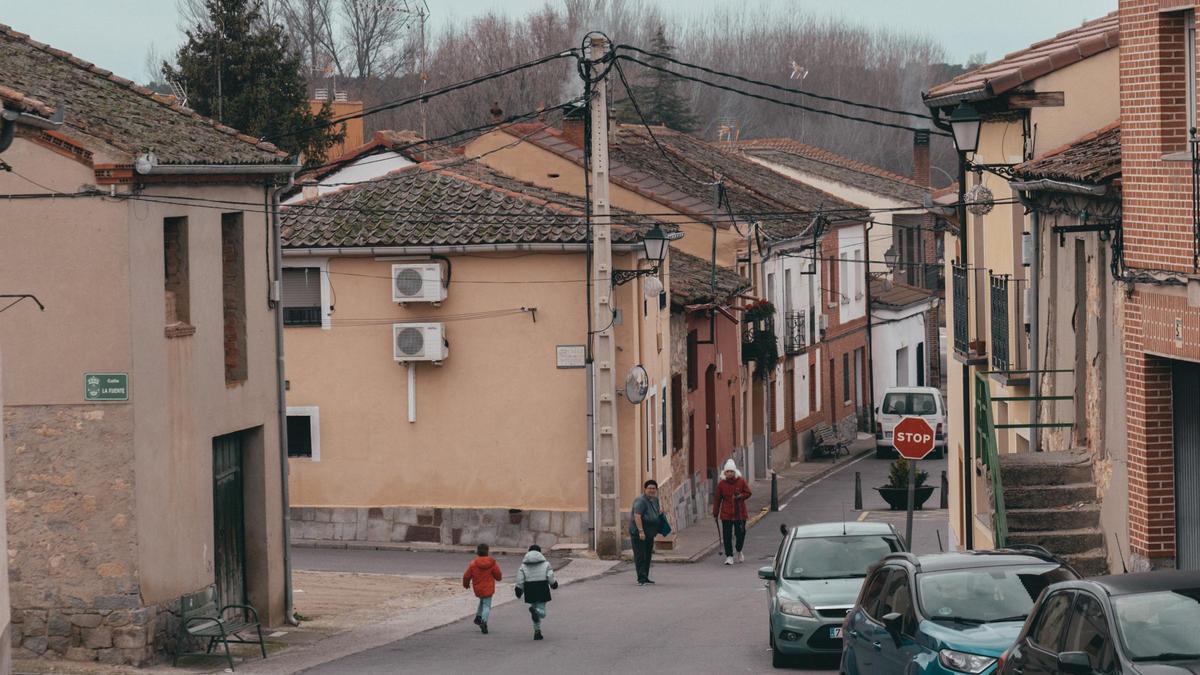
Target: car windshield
x=912, y=403
x=1159, y=626
x=836, y=557
x=985, y=594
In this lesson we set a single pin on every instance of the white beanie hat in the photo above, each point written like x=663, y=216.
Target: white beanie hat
x=730, y=466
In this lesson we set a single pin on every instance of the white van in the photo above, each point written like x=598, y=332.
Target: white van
x=900, y=402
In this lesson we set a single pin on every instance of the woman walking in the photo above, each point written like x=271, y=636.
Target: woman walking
x=729, y=506
x=644, y=523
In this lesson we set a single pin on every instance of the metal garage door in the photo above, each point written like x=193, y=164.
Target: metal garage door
x=1185, y=389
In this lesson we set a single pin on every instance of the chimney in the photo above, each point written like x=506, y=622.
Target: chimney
x=920, y=170
x=572, y=127
x=308, y=189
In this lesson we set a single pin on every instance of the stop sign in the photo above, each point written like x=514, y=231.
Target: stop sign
x=913, y=438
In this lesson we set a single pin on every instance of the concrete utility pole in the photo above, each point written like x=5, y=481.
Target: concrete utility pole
x=604, y=353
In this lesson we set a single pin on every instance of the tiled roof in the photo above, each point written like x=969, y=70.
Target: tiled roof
x=636, y=164
x=802, y=157
x=691, y=280
x=381, y=141
x=1094, y=158
x=120, y=113
x=15, y=100
x=897, y=296
x=444, y=204
x=1037, y=60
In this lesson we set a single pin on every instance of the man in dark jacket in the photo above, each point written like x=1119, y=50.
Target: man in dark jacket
x=729, y=506
x=645, y=519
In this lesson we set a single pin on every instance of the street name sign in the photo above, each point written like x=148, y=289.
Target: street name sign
x=106, y=386
x=913, y=438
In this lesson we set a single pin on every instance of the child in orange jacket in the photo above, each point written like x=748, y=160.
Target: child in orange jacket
x=483, y=573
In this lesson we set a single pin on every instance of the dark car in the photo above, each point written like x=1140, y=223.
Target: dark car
x=945, y=613
x=1144, y=624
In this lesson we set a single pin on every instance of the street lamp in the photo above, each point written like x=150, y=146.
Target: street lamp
x=965, y=122
x=654, y=244
x=891, y=258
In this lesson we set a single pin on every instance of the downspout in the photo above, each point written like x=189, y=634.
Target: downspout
x=1035, y=273
x=870, y=322
x=276, y=293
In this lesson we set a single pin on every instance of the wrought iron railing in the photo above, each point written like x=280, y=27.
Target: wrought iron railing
x=961, y=315
x=302, y=316
x=795, y=332
x=1000, y=322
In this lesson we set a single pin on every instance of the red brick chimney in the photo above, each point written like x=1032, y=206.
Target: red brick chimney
x=572, y=128
x=920, y=170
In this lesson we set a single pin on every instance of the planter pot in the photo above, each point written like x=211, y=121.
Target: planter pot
x=897, y=498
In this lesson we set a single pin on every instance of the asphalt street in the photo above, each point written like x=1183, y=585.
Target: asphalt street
x=702, y=617
x=410, y=563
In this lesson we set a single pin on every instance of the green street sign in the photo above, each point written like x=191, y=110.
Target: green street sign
x=106, y=386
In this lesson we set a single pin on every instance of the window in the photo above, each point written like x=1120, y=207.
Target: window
x=898, y=598
x=1088, y=633
x=662, y=424
x=858, y=272
x=1189, y=45
x=693, y=356
x=771, y=289
x=814, y=399
x=846, y=287
x=902, y=367
x=176, y=282
x=1050, y=623
x=846, y=396
x=677, y=412
x=302, y=296
x=233, y=277
x=787, y=290
x=872, y=597
x=304, y=433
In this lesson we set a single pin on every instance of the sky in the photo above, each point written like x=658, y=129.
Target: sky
x=120, y=32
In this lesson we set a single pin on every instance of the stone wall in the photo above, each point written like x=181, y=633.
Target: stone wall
x=514, y=528
x=72, y=551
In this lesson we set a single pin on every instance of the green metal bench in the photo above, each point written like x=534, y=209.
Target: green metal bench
x=203, y=621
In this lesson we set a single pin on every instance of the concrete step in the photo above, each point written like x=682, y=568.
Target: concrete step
x=1091, y=563
x=1074, y=517
x=1061, y=542
x=1047, y=496
x=1045, y=468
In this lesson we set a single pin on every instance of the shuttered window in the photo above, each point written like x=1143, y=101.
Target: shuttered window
x=302, y=296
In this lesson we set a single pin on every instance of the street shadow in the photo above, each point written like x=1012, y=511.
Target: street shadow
x=822, y=663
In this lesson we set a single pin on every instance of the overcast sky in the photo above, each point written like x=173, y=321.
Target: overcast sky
x=116, y=34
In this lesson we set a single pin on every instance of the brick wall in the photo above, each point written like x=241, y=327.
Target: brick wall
x=233, y=269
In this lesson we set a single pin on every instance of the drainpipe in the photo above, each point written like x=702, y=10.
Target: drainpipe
x=1035, y=269
x=870, y=361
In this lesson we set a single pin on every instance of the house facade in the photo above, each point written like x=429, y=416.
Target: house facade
x=427, y=440
x=142, y=407
x=1160, y=283
x=1031, y=101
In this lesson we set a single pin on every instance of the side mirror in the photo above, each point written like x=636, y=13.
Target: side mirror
x=767, y=573
x=1075, y=662
x=893, y=621
x=783, y=529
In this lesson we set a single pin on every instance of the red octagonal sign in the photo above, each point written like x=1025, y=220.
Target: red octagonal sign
x=913, y=438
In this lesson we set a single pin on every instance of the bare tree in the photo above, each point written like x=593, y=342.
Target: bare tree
x=310, y=25
x=373, y=31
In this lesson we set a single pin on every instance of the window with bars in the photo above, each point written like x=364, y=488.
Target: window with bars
x=302, y=296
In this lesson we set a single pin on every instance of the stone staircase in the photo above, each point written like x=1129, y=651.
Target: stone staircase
x=1050, y=500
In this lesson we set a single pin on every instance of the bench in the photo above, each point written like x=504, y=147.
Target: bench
x=827, y=442
x=202, y=620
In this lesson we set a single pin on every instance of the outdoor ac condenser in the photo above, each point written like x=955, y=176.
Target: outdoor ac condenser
x=418, y=342
x=417, y=282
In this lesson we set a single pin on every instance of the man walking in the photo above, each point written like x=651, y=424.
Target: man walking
x=644, y=522
x=729, y=506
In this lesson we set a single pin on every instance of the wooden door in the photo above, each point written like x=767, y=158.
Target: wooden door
x=229, y=524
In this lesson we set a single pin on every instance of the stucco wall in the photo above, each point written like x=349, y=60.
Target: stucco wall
x=892, y=332
x=6, y=639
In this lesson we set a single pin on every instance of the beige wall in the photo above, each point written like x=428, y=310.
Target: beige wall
x=498, y=425
x=1091, y=97
x=98, y=267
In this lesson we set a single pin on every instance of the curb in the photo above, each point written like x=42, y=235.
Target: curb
x=704, y=552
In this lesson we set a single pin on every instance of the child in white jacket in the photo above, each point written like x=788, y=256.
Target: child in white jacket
x=535, y=578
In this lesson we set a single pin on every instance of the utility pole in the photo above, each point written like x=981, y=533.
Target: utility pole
x=604, y=354
x=422, y=15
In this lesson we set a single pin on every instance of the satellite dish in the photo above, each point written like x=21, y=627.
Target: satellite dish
x=637, y=384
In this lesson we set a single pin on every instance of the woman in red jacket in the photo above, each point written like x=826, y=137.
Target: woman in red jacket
x=729, y=506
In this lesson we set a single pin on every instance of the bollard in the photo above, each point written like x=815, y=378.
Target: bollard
x=774, y=492
x=945, y=491
x=857, y=491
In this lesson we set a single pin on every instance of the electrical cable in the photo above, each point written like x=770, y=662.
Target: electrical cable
x=747, y=80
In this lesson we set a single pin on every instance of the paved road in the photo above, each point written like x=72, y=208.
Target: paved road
x=703, y=617
x=411, y=563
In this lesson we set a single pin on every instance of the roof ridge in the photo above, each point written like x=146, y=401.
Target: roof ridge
x=339, y=189
x=538, y=201
x=88, y=66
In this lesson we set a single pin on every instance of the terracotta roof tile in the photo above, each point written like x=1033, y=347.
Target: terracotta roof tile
x=691, y=281
x=116, y=111
x=1037, y=60
x=802, y=157
x=897, y=295
x=1094, y=158
x=15, y=100
x=444, y=203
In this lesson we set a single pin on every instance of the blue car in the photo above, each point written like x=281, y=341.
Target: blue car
x=945, y=613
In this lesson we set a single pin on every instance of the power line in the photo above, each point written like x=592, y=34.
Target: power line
x=747, y=80
x=789, y=104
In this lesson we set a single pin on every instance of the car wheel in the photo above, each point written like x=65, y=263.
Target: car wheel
x=881, y=453
x=778, y=660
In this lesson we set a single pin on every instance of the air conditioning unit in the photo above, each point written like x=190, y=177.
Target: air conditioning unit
x=417, y=282
x=418, y=342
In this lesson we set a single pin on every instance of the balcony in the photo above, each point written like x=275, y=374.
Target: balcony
x=1008, y=350
x=961, y=314
x=1000, y=320
x=302, y=316
x=795, y=333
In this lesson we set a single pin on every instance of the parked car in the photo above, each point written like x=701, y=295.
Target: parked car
x=901, y=402
x=813, y=583
x=945, y=613
x=1133, y=623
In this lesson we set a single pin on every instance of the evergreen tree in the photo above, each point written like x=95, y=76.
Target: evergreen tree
x=243, y=72
x=658, y=94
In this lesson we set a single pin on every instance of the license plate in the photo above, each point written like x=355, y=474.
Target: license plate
x=835, y=632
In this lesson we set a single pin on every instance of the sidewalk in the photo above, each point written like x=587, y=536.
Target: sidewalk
x=700, y=538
